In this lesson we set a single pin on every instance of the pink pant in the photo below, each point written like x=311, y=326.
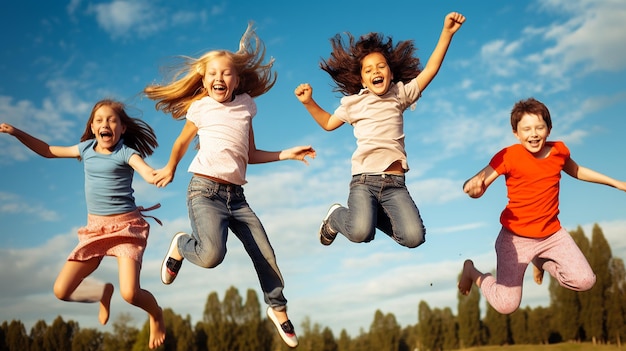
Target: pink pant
x=557, y=254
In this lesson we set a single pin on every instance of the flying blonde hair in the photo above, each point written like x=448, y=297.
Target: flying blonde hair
x=255, y=77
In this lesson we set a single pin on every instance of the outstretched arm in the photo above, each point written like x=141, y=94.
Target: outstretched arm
x=295, y=153
x=451, y=25
x=165, y=175
x=476, y=186
x=589, y=175
x=304, y=93
x=141, y=167
x=39, y=146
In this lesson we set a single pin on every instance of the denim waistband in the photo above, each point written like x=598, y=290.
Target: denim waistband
x=217, y=185
x=364, y=176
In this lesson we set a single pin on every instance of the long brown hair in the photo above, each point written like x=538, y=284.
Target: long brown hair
x=138, y=135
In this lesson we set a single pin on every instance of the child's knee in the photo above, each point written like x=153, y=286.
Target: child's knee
x=211, y=259
x=585, y=282
x=129, y=293
x=412, y=239
x=61, y=292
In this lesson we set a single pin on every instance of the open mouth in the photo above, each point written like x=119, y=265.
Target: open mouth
x=219, y=87
x=106, y=135
x=377, y=81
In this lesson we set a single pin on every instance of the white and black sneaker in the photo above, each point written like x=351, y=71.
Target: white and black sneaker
x=326, y=234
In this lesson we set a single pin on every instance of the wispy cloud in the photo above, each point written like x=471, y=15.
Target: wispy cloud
x=14, y=204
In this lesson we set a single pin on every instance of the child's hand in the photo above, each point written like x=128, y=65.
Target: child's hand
x=304, y=93
x=453, y=22
x=7, y=128
x=475, y=186
x=298, y=153
x=163, y=177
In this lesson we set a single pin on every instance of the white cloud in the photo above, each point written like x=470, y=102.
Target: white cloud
x=589, y=41
x=121, y=18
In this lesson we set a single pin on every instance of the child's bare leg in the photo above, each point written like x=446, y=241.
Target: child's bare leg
x=105, y=304
x=132, y=293
x=73, y=284
x=469, y=276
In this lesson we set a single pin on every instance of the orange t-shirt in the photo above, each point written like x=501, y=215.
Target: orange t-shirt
x=532, y=188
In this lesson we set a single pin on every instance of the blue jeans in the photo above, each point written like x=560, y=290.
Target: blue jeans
x=213, y=209
x=379, y=201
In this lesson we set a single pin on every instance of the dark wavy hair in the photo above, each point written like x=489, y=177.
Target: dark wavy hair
x=138, y=135
x=344, y=63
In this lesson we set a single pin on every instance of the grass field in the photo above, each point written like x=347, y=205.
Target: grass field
x=566, y=346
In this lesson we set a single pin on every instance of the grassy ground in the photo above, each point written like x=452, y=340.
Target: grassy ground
x=553, y=347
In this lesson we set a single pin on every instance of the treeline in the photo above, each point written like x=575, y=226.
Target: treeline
x=235, y=324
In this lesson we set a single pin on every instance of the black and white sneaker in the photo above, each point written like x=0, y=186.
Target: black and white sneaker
x=286, y=331
x=170, y=265
x=326, y=234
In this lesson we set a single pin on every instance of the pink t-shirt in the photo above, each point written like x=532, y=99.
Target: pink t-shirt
x=533, y=189
x=223, y=131
x=378, y=126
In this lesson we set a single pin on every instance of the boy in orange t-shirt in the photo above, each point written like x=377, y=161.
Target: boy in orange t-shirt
x=531, y=231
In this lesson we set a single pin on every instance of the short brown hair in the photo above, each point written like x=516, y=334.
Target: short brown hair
x=530, y=106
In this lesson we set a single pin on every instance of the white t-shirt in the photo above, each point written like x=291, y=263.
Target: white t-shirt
x=223, y=132
x=378, y=126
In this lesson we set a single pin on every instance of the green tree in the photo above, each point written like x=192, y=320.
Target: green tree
x=60, y=334
x=328, y=340
x=87, y=340
x=15, y=336
x=496, y=327
x=344, y=342
x=469, y=319
x=124, y=334
x=200, y=337
x=178, y=333
x=616, y=302
x=566, y=305
x=215, y=324
x=311, y=338
x=600, y=259
x=384, y=332
x=426, y=335
x=539, y=330
x=584, y=298
x=518, y=322
x=37, y=335
x=450, y=330
x=254, y=334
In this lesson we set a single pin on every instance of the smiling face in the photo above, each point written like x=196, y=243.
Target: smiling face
x=107, y=128
x=220, y=79
x=375, y=73
x=532, y=131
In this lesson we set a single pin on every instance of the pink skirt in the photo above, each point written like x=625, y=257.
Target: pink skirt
x=123, y=235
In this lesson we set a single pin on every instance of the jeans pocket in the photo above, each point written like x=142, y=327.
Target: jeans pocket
x=200, y=188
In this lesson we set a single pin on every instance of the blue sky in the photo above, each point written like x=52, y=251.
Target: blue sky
x=59, y=58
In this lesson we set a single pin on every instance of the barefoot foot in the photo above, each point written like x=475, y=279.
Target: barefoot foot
x=538, y=274
x=157, y=330
x=105, y=304
x=467, y=277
